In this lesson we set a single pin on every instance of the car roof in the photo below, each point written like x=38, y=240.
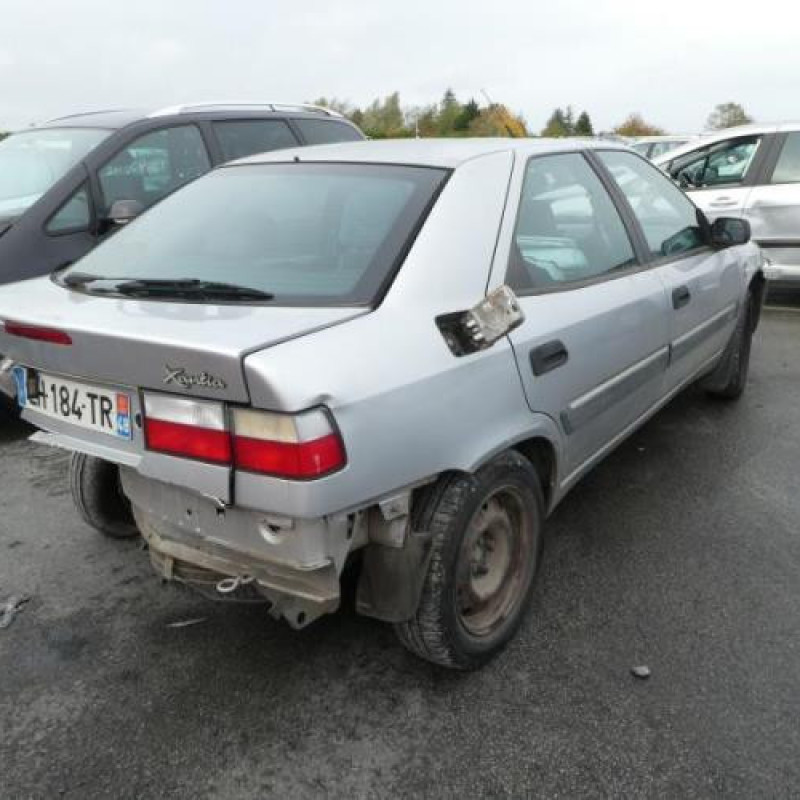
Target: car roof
x=448, y=153
x=116, y=118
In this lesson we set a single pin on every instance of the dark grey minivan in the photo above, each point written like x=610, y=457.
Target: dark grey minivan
x=66, y=184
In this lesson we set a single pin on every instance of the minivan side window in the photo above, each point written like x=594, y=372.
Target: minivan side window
x=153, y=166
x=245, y=137
x=722, y=164
x=317, y=131
x=787, y=170
x=74, y=215
x=568, y=229
x=667, y=217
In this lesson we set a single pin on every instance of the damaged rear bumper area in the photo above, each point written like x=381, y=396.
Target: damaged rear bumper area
x=293, y=565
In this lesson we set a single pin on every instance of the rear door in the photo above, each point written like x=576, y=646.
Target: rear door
x=703, y=285
x=593, y=348
x=149, y=167
x=773, y=207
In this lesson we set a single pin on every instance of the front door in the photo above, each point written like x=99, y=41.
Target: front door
x=718, y=176
x=703, y=285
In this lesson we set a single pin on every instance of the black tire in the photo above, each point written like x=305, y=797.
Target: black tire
x=729, y=379
x=98, y=496
x=444, y=630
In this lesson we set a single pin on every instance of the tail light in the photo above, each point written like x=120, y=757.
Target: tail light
x=183, y=427
x=299, y=446
x=289, y=446
x=37, y=332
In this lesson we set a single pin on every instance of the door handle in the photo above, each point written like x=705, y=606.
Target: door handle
x=548, y=356
x=681, y=297
x=723, y=202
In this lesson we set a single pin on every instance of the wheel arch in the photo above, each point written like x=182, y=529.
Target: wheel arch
x=757, y=288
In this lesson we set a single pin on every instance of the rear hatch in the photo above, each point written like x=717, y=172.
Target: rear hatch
x=108, y=349
x=185, y=348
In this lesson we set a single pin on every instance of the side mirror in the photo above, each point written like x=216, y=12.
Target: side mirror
x=123, y=211
x=729, y=231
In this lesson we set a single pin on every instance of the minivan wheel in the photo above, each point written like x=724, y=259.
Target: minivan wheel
x=728, y=381
x=98, y=496
x=486, y=547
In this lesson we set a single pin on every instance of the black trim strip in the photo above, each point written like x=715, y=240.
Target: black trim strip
x=587, y=407
x=684, y=344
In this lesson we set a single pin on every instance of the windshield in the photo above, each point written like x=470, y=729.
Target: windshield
x=306, y=234
x=32, y=161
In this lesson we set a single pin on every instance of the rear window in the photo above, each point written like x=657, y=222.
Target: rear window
x=309, y=234
x=318, y=131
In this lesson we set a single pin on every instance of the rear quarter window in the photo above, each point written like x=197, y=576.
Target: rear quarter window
x=318, y=131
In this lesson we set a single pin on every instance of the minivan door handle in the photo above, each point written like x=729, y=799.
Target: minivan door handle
x=681, y=296
x=548, y=356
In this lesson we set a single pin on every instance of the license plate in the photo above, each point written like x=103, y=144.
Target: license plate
x=92, y=407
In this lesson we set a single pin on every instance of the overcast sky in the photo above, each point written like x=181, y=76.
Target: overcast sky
x=610, y=57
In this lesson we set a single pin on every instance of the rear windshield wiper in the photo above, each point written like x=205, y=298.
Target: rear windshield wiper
x=192, y=288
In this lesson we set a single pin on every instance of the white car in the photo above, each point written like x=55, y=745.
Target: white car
x=751, y=171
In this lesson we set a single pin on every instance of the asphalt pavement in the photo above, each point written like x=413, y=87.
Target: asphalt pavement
x=680, y=552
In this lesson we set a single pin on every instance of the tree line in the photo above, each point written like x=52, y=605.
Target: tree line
x=387, y=118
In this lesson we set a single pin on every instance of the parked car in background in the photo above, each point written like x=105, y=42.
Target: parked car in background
x=408, y=349
x=66, y=184
x=654, y=146
x=752, y=171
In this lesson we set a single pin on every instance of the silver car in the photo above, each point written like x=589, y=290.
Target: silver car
x=399, y=355
x=752, y=171
x=654, y=146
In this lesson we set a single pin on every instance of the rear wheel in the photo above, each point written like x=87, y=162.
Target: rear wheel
x=98, y=496
x=486, y=547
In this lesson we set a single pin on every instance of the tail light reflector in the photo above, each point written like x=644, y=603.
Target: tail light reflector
x=300, y=446
x=37, y=332
x=190, y=428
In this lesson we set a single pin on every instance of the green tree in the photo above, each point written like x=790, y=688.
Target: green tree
x=469, y=112
x=557, y=125
x=583, y=127
x=449, y=112
x=634, y=125
x=727, y=115
x=384, y=119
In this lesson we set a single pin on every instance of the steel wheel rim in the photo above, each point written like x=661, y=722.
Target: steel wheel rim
x=494, y=562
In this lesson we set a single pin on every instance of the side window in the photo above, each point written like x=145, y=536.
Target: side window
x=787, y=170
x=722, y=164
x=152, y=166
x=318, y=131
x=74, y=215
x=568, y=229
x=659, y=148
x=668, y=218
x=240, y=138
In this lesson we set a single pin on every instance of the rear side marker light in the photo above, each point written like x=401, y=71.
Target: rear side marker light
x=302, y=446
x=37, y=332
x=190, y=428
